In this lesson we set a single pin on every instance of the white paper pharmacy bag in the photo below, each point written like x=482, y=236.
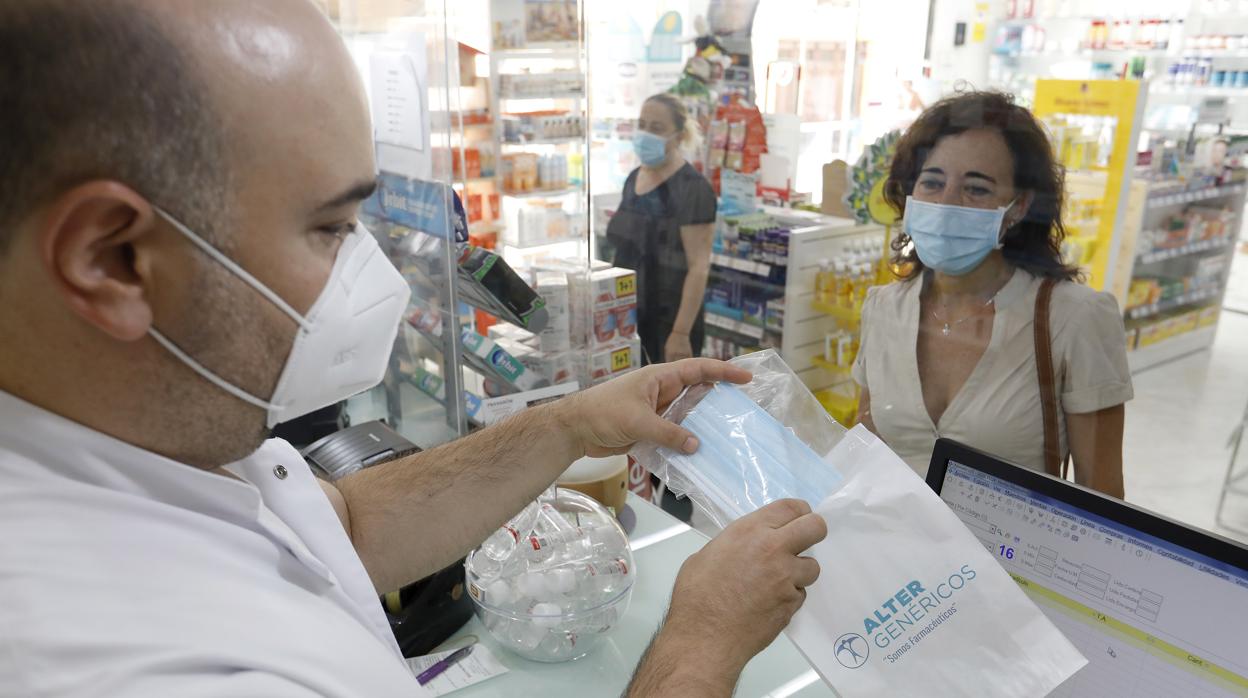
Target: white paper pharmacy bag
x=909, y=602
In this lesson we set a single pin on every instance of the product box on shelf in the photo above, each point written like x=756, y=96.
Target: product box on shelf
x=554, y=367
x=1209, y=271
x=1149, y=334
x=522, y=85
x=503, y=363
x=754, y=311
x=775, y=314
x=1187, y=322
x=604, y=306
x=557, y=335
x=542, y=224
x=506, y=331
x=601, y=363
x=519, y=172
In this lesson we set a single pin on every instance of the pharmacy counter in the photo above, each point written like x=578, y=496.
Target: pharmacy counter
x=660, y=545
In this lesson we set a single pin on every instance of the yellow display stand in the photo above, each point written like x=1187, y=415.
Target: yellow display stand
x=1117, y=102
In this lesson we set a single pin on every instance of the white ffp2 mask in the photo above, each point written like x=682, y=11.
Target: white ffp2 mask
x=343, y=342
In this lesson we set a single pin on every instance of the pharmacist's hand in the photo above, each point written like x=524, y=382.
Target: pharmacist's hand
x=608, y=419
x=677, y=347
x=740, y=591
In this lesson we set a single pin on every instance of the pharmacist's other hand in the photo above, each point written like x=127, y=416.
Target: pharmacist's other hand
x=742, y=589
x=677, y=347
x=609, y=418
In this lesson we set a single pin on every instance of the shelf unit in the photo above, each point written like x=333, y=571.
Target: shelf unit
x=727, y=323
x=1166, y=198
x=561, y=140
x=1014, y=64
x=1154, y=256
x=849, y=318
x=839, y=373
x=744, y=265
x=542, y=193
x=553, y=58
x=1191, y=298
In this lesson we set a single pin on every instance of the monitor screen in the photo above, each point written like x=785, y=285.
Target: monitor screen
x=1152, y=617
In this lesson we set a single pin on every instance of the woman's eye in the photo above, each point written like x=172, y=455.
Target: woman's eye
x=931, y=185
x=978, y=191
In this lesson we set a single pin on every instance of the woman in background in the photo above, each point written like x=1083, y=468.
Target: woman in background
x=950, y=351
x=663, y=229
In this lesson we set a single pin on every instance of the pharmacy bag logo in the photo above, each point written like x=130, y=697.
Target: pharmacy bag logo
x=851, y=650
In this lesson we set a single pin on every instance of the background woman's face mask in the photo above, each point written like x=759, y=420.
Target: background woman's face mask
x=343, y=343
x=651, y=149
x=953, y=239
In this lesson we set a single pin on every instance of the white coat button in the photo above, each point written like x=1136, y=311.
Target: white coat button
x=280, y=472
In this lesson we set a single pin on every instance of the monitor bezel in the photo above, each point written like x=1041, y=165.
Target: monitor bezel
x=1197, y=540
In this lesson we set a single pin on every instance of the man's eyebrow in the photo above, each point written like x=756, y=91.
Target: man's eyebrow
x=355, y=194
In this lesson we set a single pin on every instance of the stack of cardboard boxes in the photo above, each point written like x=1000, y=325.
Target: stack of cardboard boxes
x=604, y=322
x=592, y=332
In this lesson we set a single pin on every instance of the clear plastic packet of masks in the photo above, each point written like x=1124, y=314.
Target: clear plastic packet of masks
x=759, y=442
x=909, y=601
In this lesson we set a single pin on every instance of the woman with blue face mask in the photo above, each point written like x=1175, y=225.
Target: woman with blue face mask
x=951, y=350
x=663, y=229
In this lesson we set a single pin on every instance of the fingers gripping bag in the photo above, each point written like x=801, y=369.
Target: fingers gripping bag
x=909, y=602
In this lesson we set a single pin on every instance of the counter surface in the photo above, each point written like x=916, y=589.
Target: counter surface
x=660, y=545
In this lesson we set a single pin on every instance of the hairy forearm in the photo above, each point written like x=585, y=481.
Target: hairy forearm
x=682, y=664
x=691, y=297
x=413, y=516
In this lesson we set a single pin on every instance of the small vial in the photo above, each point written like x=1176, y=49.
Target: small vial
x=602, y=571
x=539, y=547
x=501, y=543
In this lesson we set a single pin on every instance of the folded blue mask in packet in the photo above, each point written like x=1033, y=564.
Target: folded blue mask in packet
x=745, y=459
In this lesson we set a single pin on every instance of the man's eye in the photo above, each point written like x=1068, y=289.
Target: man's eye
x=341, y=230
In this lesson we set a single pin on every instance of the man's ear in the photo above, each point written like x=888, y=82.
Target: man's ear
x=87, y=243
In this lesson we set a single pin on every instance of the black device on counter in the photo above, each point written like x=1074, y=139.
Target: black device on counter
x=355, y=448
x=426, y=613
x=488, y=282
x=1144, y=598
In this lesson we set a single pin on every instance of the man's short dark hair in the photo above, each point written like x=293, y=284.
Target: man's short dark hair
x=97, y=89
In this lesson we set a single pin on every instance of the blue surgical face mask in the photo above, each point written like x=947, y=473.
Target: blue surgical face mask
x=953, y=239
x=650, y=148
x=745, y=459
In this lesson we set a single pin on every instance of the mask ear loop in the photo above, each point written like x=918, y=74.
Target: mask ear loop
x=206, y=374
x=235, y=269
x=1007, y=228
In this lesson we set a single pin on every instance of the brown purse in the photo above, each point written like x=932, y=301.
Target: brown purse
x=1055, y=463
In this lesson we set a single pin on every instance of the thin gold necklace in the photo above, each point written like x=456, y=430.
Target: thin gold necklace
x=948, y=326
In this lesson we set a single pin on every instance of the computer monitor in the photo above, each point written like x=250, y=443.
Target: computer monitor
x=1157, y=607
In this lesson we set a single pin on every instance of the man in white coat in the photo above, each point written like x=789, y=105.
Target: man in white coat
x=181, y=266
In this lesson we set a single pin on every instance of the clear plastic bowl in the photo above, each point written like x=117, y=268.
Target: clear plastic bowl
x=583, y=619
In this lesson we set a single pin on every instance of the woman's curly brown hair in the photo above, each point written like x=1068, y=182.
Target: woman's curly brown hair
x=1034, y=243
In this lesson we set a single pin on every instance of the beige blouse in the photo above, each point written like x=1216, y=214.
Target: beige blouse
x=997, y=410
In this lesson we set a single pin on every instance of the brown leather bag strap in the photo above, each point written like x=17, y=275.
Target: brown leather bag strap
x=1054, y=462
